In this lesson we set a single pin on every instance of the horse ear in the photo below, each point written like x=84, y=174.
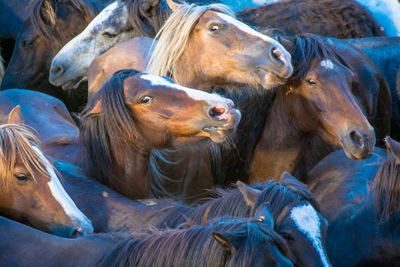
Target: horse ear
x=15, y=116
x=229, y=241
x=393, y=147
x=47, y=12
x=287, y=177
x=97, y=109
x=172, y=5
x=249, y=193
x=149, y=6
x=264, y=215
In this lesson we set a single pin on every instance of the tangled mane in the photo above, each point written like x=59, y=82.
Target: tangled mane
x=386, y=187
x=108, y=136
x=196, y=246
x=174, y=37
x=43, y=15
x=140, y=20
x=306, y=48
x=287, y=192
x=16, y=143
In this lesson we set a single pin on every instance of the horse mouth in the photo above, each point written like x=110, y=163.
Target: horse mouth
x=269, y=79
x=218, y=134
x=73, y=84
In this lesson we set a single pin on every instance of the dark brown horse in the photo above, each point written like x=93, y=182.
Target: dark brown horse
x=134, y=113
x=361, y=201
x=109, y=211
x=335, y=18
x=30, y=189
x=384, y=52
x=46, y=29
x=227, y=242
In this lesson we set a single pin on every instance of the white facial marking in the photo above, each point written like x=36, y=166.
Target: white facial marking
x=307, y=221
x=327, y=64
x=245, y=28
x=147, y=202
x=77, y=217
x=194, y=94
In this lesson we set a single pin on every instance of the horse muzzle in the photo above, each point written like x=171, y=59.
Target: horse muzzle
x=358, y=144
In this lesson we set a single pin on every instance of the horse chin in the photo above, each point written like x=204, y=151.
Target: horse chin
x=217, y=134
x=73, y=84
x=269, y=79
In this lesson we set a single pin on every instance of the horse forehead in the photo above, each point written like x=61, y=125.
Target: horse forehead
x=327, y=64
x=113, y=14
x=243, y=27
x=194, y=94
x=307, y=220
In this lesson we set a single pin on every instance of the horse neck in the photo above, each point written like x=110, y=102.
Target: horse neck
x=281, y=143
x=131, y=169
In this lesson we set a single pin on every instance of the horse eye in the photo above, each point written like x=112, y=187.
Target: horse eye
x=27, y=42
x=21, y=178
x=109, y=34
x=146, y=100
x=214, y=28
x=286, y=236
x=311, y=82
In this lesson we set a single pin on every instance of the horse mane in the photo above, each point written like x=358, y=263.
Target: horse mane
x=386, y=187
x=174, y=37
x=140, y=21
x=2, y=68
x=16, y=143
x=305, y=48
x=43, y=15
x=108, y=136
x=281, y=194
x=196, y=246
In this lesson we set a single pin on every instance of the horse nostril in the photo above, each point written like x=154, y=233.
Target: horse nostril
x=217, y=111
x=77, y=233
x=57, y=70
x=277, y=55
x=357, y=139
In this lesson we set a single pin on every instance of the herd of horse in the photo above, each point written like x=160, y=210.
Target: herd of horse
x=157, y=133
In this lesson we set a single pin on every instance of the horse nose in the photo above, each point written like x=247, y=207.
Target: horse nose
x=56, y=70
x=357, y=138
x=358, y=143
x=277, y=56
x=219, y=112
x=77, y=233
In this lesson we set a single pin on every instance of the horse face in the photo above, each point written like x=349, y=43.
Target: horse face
x=111, y=26
x=171, y=113
x=41, y=201
x=228, y=51
x=305, y=232
x=33, y=51
x=326, y=97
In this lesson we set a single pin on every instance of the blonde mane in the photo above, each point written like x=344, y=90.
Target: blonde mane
x=174, y=37
x=16, y=143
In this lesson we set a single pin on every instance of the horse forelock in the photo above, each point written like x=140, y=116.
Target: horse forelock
x=142, y=23
x=43, y=15
x=174, y=36
x=308, y=48
x=386, y=188
x=195, y=245
x=280, y=195
x=16, y=143
x=110, y=135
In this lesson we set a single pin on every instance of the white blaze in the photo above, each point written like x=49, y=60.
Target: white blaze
x=194, y=94
x=307, y=221
x=77, y=217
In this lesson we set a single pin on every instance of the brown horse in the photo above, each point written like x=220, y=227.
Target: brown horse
x=134, y=113
x=361, y=200
x=48, y=116
x=297, y=110
x=132, y=54
x=335, y=18
x=46, y=29
x=227, y=242
x=30, y=189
